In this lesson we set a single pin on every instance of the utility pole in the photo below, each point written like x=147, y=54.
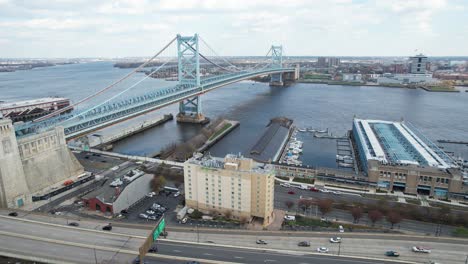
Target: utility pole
x=339, y=247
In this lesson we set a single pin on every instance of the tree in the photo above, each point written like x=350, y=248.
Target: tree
x=374, y=216
x=394, y=217
x=325, y=206
x=289, y=204
x=243, y=220
x=302, y=203
x=157, y=182
x=356, y=212
x=228, y=214
x=177, y=184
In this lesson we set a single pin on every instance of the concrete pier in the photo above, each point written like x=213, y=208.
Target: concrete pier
x=192, y=118
x=105, y=141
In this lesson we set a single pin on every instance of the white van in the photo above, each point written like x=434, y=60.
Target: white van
x=341, y=229
x=290, y=218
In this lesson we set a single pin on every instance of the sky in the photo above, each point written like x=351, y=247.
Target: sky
x=123, y=28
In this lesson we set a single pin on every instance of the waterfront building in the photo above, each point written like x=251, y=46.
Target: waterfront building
x=235, y=184
x=389, y=78
x=332, y=61
x=418, y=64
x=352, y=77
x=397, y=156
x=321, y=62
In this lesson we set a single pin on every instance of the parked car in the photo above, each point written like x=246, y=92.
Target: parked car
x=322, y=250
x=13, y=214
x=152, y=217
x=261, y=242
x=150, y=212
x=156, y=206
x=184, y=220
x=421, y=249
x=304, y=244
x=176, y=194
x=324, y=190
x=335, y=240
x=289, y=217
x=392, y=253
x=149, y=195
x=124, y=211
x=107, y=227
x=291, y=192
x=73, y=224
x=287, y=185
x=144, y=216
x=341, y=229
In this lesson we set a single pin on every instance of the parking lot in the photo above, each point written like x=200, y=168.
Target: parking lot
x=166, y=200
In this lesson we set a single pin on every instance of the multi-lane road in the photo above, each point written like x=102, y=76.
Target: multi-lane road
x=88, y=244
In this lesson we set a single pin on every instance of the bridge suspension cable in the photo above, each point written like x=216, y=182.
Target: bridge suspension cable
x=106, y=88
x=116, y=95
x=214, y=52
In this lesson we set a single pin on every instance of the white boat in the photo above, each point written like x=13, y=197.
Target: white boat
x=301, y=129
x=345, y=165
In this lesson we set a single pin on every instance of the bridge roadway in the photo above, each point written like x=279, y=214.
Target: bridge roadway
x=57, y=241
x=118, y=111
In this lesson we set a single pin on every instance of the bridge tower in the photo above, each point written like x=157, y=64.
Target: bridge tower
x=277, y=62
x=190, y=110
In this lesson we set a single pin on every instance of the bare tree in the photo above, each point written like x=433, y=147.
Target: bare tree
x=394, y=217
x=302, y=203
x=157, y=182
x=228, y=214
x=289, y=204
x=356, y=212
x=325, y=206
x=243, y=220
x=374, y=216
x=177, y=184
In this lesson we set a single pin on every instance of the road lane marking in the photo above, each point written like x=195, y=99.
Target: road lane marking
x=237, y=257
x=207, y=254
x=175, y=250
x=270, y=260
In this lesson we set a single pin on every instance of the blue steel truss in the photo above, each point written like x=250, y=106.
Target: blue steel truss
x=189, y=71
x=76, y=124
x=277, y=61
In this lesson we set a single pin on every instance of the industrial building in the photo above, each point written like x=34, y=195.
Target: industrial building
x=418, y=64
x=31, y=109
x=119, y=194
x=417, y=73
x=397, y=156
x=234, y=184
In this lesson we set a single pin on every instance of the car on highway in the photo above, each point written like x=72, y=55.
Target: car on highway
x=289, y=217
x=304, y=244
x=144, y=216
x=324, y=190
x=287, y=185
x=335, y=240
x=392, y=253
x=13, y=214
x=419, y=249
x=107, y=227
x=291, y=192
x=176, y=194
x=73, y=224
x=322, y=250
x=314, y=189
x=261, y=242
x=153, y=249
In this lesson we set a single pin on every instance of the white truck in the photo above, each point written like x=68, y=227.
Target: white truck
x=182, y=213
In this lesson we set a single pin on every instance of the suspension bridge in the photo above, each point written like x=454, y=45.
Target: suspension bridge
x=187, y=92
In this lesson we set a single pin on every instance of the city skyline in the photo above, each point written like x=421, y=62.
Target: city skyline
x=80, y=28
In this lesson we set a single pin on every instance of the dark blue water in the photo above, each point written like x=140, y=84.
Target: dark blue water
x=438, y=115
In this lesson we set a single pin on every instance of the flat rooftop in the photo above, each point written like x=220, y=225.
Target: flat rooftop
x=219, y=163
x=45, y=100
x=399, y=143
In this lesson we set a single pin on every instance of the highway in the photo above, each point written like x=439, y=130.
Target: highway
x=78, y=245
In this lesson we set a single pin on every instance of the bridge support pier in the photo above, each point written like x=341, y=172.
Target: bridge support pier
x=190, y=111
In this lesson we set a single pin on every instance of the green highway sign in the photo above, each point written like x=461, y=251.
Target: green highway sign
x=159, y=229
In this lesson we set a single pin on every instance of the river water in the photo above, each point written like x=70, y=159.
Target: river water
x=438, y=115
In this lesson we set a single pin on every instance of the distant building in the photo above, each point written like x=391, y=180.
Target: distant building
x=396, y=156
x=235, y=184
x=31, y=109
x=322, y=62
x=119, y=193
x=352, y=77
x=332, y=61
x=389, y=78
x=418, y=64
x=398, y=68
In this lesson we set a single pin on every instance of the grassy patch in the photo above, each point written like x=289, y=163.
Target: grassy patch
x=304, y=180
x=317, y=76
x=460, y=232
x=224, y=128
